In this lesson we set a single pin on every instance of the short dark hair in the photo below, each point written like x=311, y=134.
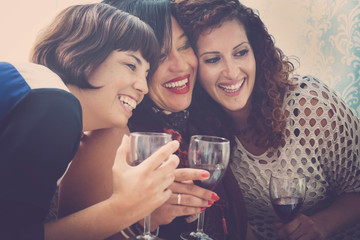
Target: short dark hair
x=81, y=37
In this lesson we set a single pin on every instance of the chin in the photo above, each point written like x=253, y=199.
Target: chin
x=180, y=108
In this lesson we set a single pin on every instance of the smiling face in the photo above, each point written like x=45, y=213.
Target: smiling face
x=227, y=65
x=172, y=84
x=122, y=81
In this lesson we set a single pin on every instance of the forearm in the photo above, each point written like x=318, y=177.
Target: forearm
x=340, y=215
x=96, y=222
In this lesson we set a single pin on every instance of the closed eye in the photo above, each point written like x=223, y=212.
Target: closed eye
x=212, y=60
x=131, y=66
x=186, y=46
x=242, y=52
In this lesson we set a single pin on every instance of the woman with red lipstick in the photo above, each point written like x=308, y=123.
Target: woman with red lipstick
x=89, y=71
x=280, y=122
x=165, y=108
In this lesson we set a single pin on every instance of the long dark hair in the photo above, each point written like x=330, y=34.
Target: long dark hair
x=156, y=13
x=267, y=118
x=81, y=37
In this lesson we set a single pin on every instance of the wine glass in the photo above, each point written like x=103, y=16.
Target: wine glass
x=212, y=154
x=287, y=193
x=143, y=144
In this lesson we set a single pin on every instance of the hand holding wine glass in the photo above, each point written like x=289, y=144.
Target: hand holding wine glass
x=143, y=145
x=287, y=193
x=212, y=154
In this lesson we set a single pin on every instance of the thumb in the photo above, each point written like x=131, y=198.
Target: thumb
x=122, y=153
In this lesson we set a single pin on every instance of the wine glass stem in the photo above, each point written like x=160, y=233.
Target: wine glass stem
x=147, y=225
x=200, y=223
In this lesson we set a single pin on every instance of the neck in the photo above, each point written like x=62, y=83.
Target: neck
x=76, y=91
x=240, y=117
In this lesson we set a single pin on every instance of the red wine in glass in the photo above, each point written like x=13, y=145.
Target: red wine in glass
x=216, y=172
x=212, y=154
x=287, y=207
x=287, y=193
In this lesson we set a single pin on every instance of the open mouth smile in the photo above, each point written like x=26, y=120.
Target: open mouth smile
x=180, y=85
x=233, y=87
x=128, y=102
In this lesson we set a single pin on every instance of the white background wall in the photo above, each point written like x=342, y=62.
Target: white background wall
x=21, y=20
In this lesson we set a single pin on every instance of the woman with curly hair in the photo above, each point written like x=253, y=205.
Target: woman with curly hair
x=278, y=121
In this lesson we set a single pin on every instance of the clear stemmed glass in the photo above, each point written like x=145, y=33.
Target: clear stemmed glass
x=212, y=154
x=287, y=193
x=143, y=144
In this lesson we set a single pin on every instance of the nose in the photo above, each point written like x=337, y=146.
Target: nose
x=176, y=61
x=231, y=70
x=141, y=85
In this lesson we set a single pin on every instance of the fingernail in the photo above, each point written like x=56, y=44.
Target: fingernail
x=210, y=203
x=215, y=197
x=205, y=174
x=203, y=209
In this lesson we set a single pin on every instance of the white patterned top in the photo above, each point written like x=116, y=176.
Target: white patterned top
x=322, y=142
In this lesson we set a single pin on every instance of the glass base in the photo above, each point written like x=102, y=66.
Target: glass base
x=146, y=237
x=195, y=236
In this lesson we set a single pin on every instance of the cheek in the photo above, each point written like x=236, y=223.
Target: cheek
x=193, y=61
x=207, y=83
x=208, y=74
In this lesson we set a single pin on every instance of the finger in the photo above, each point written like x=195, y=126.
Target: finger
x=186, y=174
x=162, y=197
x=180, y=210
x=165, y=173
x=287, y=229
x=172, y=162
x=196, y=191
x=189, y=200
x=160, y=155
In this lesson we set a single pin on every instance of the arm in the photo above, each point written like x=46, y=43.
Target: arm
x=89, y=177
x=130, y=200
x=341, y=214
x=342, y=168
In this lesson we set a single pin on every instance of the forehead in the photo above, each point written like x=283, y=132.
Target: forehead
x=227, y=33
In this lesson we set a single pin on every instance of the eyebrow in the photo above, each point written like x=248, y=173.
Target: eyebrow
x=136, y=58
x=182, y=35
x=218, y=52
x=138, y=61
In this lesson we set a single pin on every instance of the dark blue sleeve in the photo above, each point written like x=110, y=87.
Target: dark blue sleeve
x=38, y=139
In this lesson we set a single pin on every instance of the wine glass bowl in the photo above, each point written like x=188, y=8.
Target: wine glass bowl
x=212, y=154
x=142, y=146
x=287, y=193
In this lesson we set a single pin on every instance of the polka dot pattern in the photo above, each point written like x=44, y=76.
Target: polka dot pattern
x=322, y=142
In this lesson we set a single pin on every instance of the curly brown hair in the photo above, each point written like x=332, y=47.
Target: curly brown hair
x=267, y=118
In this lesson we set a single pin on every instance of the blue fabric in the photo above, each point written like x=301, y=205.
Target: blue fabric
x=13, y=88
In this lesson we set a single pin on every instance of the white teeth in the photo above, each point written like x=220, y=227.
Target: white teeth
x=179, y=84
x=128, y=102
x=232, y=88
